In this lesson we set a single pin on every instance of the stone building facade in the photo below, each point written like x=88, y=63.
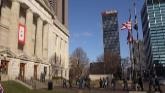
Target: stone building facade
x=33, y=34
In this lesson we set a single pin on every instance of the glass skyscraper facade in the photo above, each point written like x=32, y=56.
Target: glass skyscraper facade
x=153, y=26
x=111, y=33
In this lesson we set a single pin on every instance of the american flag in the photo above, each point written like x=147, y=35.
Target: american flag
x=127, y=25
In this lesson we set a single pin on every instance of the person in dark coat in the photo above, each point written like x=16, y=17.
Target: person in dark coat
x=150, y=83
x=101, y=83
x=125, y=84
x=157, y=85
x=113, y=83
x=88, y=83
x=64, y=83
x=70, y=83
x=140, y=83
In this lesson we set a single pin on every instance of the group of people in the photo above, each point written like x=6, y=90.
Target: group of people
x=104, y=82
x=154, y=83
x=65, y=83
x=137, y=84
x=83, y=82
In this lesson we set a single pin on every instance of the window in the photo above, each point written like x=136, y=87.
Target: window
x=4, y=66
x=53, y=5
x=45, y=70
x=63, y=11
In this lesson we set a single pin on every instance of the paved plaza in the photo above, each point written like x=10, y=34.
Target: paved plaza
x=119, y=89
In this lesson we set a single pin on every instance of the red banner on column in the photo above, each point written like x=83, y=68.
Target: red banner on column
x=21, y=34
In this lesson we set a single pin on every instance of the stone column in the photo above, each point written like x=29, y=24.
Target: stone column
x=45, y=41
x=67, y=54
x=28, y=41
x=67, y=58
x=14, y=17
x=39, y=38
x=57, y=46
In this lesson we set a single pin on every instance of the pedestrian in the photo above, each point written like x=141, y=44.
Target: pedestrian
x=1, y=89
x=125, y=84
x=104, y=81
x=70, y=83
x=150, y=83
x=113, y=84
x=64, y=83
x=140, y=83
x=81, y=83
x=107, y=79
x=157, y=85
x=88, y=83
x=100, y=83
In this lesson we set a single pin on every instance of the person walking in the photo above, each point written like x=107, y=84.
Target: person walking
x=88, y=83
x=101, y=83
x=1, y=89
x=113, y=84
x=70, y=83
x=140, y=82
x=125, y=84
x=157, y=85
x=104, y=81
x=64, y=83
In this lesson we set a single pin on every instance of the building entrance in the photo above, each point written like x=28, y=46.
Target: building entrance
x=35, y=72
x=22, y=71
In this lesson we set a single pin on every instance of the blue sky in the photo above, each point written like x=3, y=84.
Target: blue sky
x=85, y=24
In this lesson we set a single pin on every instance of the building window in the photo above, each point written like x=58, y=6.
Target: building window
x=45, y=70
x=53, y=5
x=1, y=4
x=63, y=11
x=65, y=73
x=4, y=66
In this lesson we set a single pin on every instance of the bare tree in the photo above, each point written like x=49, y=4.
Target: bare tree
x=100, y=58
x=78, y=63
x=55, y=64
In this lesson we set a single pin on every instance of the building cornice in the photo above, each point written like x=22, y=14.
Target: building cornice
x=56, y=21
x=45, y=7
x=58, y=24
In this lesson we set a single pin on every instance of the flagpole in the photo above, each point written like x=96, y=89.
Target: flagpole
x=131, y=46
x=136, y=28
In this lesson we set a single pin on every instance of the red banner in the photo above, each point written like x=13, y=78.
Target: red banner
x=21, y=34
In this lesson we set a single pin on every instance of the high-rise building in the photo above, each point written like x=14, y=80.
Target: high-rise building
x=34, y=39
x=153, y=25
x=110, y=34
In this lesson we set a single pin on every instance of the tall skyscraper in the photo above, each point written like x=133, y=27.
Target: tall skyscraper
x=110, y=34
x=153, y=24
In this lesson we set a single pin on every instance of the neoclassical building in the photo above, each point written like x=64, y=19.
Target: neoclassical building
x=34, y=39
